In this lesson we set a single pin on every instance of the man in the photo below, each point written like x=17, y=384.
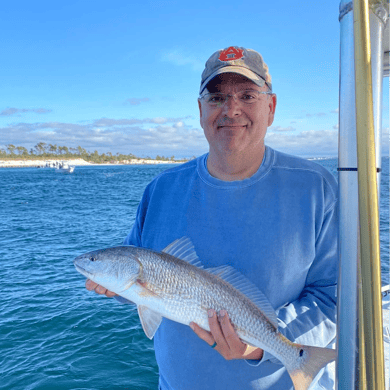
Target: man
x=269, y=215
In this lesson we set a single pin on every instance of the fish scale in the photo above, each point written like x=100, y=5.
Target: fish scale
x=164, y=285
x=202, y=289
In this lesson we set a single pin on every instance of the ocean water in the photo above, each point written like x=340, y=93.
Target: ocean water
x=54, y=334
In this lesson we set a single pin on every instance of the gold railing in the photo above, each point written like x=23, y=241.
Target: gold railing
x=371, y=361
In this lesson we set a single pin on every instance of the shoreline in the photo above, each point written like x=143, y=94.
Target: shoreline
x=78, y=162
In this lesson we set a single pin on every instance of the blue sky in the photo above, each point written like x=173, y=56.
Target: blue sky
x=123, y=76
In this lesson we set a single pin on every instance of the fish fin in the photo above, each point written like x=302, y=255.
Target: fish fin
x=150, y=320
x=130, y=282
x=241, y=283
x=183, y=249
x=317, y=358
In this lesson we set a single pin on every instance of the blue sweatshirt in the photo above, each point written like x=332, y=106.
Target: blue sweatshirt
x=279, y=229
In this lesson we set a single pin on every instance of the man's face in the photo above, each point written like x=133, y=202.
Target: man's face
x=236, y=126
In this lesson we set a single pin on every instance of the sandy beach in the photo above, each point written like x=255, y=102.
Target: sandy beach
x=75, y=162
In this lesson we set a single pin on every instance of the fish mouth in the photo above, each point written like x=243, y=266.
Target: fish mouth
x=82, y=270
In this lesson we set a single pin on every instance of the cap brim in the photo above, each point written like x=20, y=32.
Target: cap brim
x=234, y=69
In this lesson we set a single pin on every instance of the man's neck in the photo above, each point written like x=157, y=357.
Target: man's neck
x=231, y=167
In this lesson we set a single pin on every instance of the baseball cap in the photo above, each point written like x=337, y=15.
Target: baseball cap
x=234, y=59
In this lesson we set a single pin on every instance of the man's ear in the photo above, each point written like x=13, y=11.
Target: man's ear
x=272, y=107
x=200, y=108
x=200, y=112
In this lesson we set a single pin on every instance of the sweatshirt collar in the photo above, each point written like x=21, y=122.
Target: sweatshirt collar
x=264, y=168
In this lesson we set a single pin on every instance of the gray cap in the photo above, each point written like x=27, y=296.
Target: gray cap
x=234, y=59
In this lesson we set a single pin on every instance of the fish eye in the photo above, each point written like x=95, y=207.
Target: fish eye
x=301, y=352
x=92, y=258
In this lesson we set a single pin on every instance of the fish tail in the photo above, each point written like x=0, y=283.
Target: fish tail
x=316, y=359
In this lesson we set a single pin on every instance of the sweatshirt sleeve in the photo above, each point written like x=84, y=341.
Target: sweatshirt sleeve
x=135, y=235
x=311, y=319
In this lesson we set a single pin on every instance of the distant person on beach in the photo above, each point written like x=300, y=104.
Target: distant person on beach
x=271, y=216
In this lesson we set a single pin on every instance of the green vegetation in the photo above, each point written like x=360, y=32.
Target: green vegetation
x=49, y=151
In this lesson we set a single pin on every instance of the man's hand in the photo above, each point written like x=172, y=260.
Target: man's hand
x=222, y=332
x=90, y=285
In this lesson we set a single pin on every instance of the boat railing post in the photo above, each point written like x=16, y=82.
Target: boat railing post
x=370, y=315
x=347, y=309
x=347, y=330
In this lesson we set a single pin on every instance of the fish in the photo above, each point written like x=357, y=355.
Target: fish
x=174, y=284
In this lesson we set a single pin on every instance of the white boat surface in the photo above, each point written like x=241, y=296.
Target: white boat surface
x=64, y=167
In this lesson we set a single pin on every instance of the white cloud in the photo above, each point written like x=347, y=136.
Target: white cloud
x=322, y=114
x=159, y=120
x=150, y=136
x=280, y=129
x=107, y=122
x=385, y=141
x=307, y=143
x=314, y=143
x=137, y=101
x=18, y=111
x=161, y=135
x=180, y=58
x=317, y=114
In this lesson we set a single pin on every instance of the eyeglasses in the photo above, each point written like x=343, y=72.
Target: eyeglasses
x=218, y=99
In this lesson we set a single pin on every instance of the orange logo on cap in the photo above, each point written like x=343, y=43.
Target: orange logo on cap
x=231, y=53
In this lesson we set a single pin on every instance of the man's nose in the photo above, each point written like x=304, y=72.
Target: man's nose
x=232, y=106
